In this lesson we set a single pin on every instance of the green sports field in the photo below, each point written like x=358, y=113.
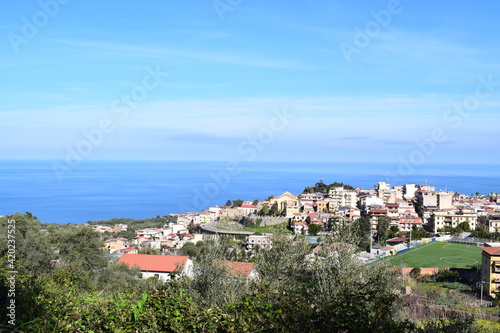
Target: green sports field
x=438, y=254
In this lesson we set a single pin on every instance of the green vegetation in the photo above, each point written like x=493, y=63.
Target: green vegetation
x=383, y=228
x=64, y=287
x=462, y=227
x=323, y=188
x=134, y=224
x=438, y=254
x=314, y=229
x=281, y=227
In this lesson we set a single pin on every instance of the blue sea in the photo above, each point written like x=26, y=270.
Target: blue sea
x=100, y=190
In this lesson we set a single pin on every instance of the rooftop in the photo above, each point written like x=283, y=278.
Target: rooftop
x=154, y=262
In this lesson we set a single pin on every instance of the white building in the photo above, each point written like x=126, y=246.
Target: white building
x=163, y=267
x=409, y=190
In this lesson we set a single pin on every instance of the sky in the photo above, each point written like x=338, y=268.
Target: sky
x=368, y=81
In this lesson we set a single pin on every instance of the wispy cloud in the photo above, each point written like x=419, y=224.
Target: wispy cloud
x=224, y=56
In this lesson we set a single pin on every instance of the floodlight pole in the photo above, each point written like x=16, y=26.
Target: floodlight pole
x=482, y=283
x=371, y=238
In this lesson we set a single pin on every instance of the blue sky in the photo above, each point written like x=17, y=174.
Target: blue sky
x=355, y=87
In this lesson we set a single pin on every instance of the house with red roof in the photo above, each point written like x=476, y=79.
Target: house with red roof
x=163, y=267
x=242, y=269
x=114, y=244
x=490, y=267
x=286, y=199
x=129, y=250
x=248, y=209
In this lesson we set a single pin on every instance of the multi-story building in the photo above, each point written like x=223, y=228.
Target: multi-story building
x=445, y=200
x=258, y=240
x=392, y=209
x=385, y=192
x=490, y=267
x=207, y=217
x=407, y=222
x=115, y=244
x=322, y=206
x=370, y=200
x=382, y=186
x=452, y=219
x=232, y=213
x=426, y=199
x=427, y=188
x=340, y=197
x=290, y=211
x=409, y=190
x=398, y=192
x=288, y=199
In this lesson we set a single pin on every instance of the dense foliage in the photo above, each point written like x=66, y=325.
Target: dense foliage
x=321, y=187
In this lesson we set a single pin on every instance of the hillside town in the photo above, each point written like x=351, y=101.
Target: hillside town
x=405, y=209
x=429, y=257
x=409, y=207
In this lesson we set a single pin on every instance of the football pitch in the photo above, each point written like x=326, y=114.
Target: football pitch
x=438, y=254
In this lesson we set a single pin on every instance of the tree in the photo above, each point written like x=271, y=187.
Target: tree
x=323, y=188
x=237, y=203
x=363, y=232
x=265, y=210
x=229, y=203
x=393, y=231
x=148, y=251
x=255, y=202
x=382, y=228
x=415, y=272
x=314, y=229
x=33, y=252
x=275, y=211
x=212, y=285
x=279, y=264
x=189, y=249
x=81, y=246
x=464, y=226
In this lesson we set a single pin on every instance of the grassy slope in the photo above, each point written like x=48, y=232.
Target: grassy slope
x=438, y=254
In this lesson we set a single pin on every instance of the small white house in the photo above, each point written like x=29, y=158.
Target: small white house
x=164, y=267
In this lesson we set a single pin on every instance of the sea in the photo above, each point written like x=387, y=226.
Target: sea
x=101, y=190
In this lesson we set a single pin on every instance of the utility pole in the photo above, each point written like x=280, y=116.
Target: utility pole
x=371, y=238
x=410, y=239
x=482, y=283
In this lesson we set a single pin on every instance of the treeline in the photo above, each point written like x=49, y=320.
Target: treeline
x=65, y=284
x=321, y=187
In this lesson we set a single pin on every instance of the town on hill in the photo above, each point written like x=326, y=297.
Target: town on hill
x=387, y=215
x=405, y=258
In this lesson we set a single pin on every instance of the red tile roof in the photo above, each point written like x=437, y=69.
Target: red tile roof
x=128, y=249
x=400, y=239
x=238, y=268
x=494, y=251
x=248, y=206
x=154, y=262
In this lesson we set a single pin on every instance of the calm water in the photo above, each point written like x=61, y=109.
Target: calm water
x=97, y=190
